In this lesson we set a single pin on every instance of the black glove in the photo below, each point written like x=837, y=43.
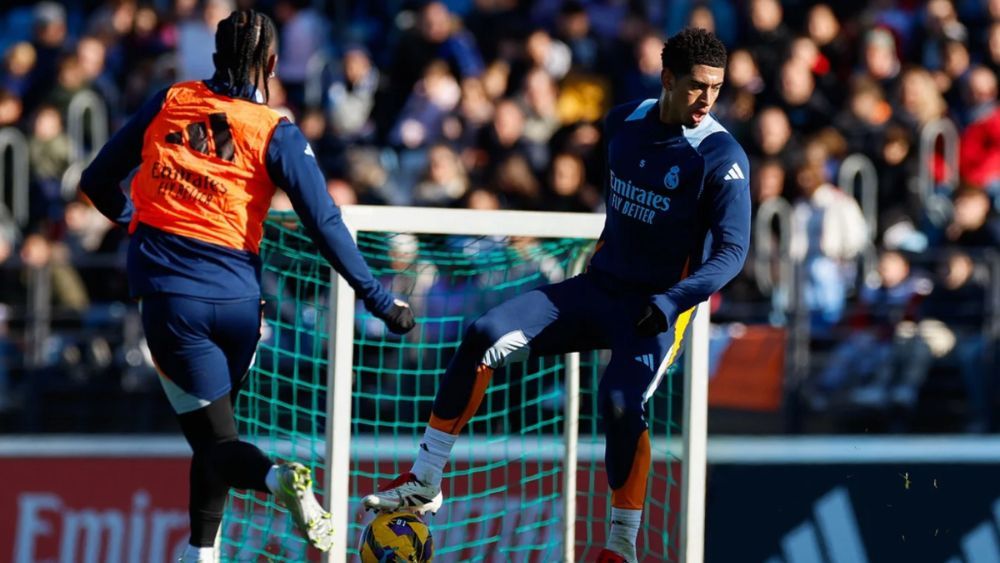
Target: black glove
x=399, y=318
x=651, y=322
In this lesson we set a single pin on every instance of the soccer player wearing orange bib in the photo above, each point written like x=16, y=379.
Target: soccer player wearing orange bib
x=677, y=230
x=207, y=158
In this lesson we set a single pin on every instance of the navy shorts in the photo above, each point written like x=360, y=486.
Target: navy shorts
x=202, y=349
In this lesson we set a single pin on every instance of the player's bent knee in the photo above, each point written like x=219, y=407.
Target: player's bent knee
x=497, y=342
x=619, y=407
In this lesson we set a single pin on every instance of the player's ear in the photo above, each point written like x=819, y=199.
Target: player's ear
x=272, y=62
x=667, y=79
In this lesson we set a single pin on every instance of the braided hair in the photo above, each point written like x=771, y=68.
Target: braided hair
x=243, y=43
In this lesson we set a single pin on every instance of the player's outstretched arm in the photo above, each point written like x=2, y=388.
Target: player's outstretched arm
x=729, y=226
x=102, y=178
x=293, y=167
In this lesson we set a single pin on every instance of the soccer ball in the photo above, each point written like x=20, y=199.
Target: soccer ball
x=396, y=537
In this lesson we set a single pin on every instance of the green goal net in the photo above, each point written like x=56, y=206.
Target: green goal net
x=506, y=485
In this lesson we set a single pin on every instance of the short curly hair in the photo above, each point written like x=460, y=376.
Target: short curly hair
x=692, y=46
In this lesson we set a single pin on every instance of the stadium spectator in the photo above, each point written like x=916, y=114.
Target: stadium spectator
x=895, y=162
x=863, y=119
x=46, y=262
x=887, y=298
x=973, y=225
x=370, y=179
x=303, y=33
x=18, y=62
x=584, y=140
x=329, y=148
x=768, y=38
x=641, y=78
x=807, y=108
x=71, y=80
x=940, y=28
x=85, y=229
x=585, y=93
x=503, y=137
x=829, y=233
x=351, y=97
x=482, y=198
x=496, y=79
x=434, y=96
x=920, y=100
x=980, y=146
x=341, y=192
x=567, y=188
x=515, y=182
x=804, y=50
x=50, y=33
x=880, y=61
x=475, y=111
x=823, y=27
x=196, y=38
x=540, y=94
x=955, y=65
x=49, y=151
x=774, y=137
x=92, y=56
x=444, y=182
x=437, y=36
x=573, y=26
x=949, y=329
x=993, y=47
x=743, y=73
x=548, y=53
x=767, y=182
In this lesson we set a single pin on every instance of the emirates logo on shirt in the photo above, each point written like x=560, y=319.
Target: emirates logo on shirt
x=635, y=202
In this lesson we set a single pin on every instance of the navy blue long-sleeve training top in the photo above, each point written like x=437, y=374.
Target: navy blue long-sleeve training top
x=161, y=262
x=678, y=207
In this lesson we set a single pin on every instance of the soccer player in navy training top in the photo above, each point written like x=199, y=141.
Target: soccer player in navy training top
x=208, y=156
x=677, y=230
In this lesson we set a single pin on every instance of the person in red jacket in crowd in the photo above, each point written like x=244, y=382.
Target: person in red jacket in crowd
x=979, y=160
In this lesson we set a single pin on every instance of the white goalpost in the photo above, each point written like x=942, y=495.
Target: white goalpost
x=542, y=225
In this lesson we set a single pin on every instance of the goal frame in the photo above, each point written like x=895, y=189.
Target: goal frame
x=441, y=221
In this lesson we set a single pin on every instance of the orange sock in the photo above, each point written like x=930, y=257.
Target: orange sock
x=632, y=495
x=455, y=425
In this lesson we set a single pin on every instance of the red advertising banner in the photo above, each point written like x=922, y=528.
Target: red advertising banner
x=93, y=509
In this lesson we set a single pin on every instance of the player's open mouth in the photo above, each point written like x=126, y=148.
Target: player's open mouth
x=699, y=115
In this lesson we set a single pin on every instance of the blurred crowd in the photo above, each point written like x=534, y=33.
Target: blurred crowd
x=497, y=104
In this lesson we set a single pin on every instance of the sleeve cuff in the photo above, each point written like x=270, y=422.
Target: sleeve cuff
x=379, y=302
x=666, y=306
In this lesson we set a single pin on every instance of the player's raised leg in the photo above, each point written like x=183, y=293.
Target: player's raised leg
x=637, y=367
x=536, y=322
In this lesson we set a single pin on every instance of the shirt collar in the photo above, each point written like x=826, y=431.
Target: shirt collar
x=661, y=131
x=220, y=85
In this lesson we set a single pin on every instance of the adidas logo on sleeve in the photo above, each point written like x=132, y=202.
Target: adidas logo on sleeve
x=735, y=173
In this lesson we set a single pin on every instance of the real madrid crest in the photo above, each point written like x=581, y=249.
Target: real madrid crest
x=673, y=177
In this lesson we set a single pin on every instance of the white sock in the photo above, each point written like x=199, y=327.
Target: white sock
x=624, y=529
x=435, y=449
x=271, y=480
x=194, y=554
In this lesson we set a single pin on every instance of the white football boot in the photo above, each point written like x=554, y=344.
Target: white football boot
x=295, y=493
x=407, y=493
